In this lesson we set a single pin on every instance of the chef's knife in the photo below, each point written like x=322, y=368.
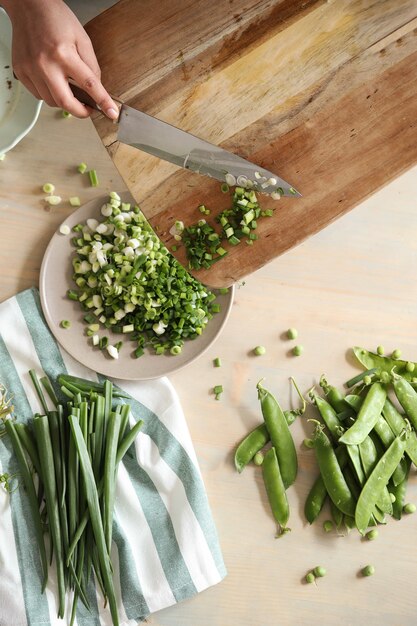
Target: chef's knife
x=169, y=143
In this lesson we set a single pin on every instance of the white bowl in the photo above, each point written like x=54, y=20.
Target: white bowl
x=19, y=110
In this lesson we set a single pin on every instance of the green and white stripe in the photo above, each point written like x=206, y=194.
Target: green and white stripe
x=165, y=543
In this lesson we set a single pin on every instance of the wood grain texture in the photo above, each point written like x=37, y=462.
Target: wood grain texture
x=321, y=93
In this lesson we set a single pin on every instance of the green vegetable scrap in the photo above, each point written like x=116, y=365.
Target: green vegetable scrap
x=218, y=390
x=297, y=350
x=128, y=282
x=259, y=350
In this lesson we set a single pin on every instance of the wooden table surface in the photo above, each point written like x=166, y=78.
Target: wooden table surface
x=352, y=284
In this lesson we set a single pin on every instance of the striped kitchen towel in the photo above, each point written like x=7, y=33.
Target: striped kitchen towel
x=165, y=545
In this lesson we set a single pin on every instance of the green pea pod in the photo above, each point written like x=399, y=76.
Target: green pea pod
x=275, y=489
x=353, y=452
x=331, y=472
x=333, y=395
x=385, y=433
x=370, y=455
x=370, y=360
x=315, y=500
x=329, y=416
x=399, y=492
x=337, y=515
x=376, y=482
x=256, y=440
x=354, y=401
x=407, y=397
x=367, y=416
x=250, y=445
x=280, y=435
x=397, y=424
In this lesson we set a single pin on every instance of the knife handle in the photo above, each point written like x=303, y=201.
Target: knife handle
x=85, y=98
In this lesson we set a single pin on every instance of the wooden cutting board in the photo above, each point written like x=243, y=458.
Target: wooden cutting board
x=322, y=92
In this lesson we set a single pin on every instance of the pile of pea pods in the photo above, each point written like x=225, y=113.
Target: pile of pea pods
x=364, y=440
x=364, y=444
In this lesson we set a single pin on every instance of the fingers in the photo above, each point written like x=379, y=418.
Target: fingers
x=63, y=97
x=89, y=82
x=86, y=51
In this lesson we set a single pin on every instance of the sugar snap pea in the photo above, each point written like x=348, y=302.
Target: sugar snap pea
x=328, y=415
x=381, y=363
x=385, y=434
x=367, y=416
x=280, y=435
x=315, y=500
x=337, y=515
x=331, y=472
x=276, y=490
x=370, y=456
x=250, y=445
x=397, y=424
x=333, y=395
x=407, y=397
x=399, y=492
x=376, y=482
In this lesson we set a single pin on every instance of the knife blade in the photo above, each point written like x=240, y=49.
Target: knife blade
x=162, y=140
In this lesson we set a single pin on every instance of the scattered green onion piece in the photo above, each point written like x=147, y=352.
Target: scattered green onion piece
x=218, y=390
x=48, y=188
x=224, y=187
x=65, y=324
x=310, y=578
x=92, y=175
x=292, y=333
x=82, y=168
x=217, y=362
x=75, y=201
x=66, y=114
x=259, y=350
x=53, y=200
x=175, y=350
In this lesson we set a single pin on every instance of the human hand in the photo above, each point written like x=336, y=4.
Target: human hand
x=50, y=47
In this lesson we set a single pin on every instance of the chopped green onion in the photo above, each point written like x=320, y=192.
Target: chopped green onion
x=75, y=201
x=217, y=362
x=225, y=188
x=53, y=200
x=175, y=350
x=218, y=390
x=64, y=229
x=65, y=324
x=259, y=350
x=82, y=168
x=92, y=174
x=66, y=114
x=48, y=188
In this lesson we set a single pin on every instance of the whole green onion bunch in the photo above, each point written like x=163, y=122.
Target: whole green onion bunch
x=68, y=461
x=129, y=282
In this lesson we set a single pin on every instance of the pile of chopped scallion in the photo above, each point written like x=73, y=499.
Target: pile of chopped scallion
x=129, y=283
x=204, y=246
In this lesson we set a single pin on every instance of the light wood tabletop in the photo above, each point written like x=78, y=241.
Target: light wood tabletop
x=352, y=284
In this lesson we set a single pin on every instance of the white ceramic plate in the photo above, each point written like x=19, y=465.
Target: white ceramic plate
x=56, y=279
x=19, y=110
